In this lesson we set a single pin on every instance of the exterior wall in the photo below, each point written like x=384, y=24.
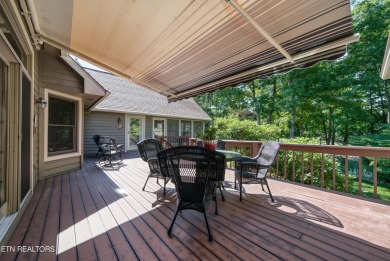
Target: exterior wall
x=19, y=68
x=104, y=124
x=58, y=166
x=149, y=127
x=55, y=75
x=35, y=119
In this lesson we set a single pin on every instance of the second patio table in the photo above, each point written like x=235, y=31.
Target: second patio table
x=230, y=155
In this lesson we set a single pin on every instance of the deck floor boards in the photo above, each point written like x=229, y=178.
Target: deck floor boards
x=102, y=214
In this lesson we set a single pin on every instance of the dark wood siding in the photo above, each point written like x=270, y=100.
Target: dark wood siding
x=36, y=113
x=62, y=165
x=104, y=124
x=148, y=127
x=55, y=74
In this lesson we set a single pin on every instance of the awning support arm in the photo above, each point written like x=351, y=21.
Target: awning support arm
x=260, y=29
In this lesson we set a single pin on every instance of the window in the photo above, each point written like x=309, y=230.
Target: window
x=198, y=127
x=185, y=128
x=11, y=37
x=62, y=126
x=159, y=127
x=173, y=127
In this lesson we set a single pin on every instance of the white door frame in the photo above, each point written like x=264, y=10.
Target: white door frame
x=127, y=129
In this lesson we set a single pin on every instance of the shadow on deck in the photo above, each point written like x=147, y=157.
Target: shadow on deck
x=96, y=213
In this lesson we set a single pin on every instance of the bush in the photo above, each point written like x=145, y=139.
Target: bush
x=235, y=129
x=317, y=165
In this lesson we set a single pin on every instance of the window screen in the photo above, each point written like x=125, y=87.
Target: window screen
x=198, y=127
x=62, y=132
x=185, y=128
x=173, y=127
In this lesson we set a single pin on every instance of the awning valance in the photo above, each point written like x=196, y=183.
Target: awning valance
x=182, y=48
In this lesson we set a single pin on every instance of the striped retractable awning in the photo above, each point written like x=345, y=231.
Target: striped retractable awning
x=183, y=48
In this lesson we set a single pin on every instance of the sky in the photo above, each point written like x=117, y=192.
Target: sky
x=86, y=64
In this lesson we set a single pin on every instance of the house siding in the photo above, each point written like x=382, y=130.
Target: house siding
x=55, y=74
x=35, y=119
x=60, y=166
x=149, y=127
x=104, y=124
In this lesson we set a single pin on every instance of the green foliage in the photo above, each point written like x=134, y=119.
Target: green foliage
x=303, y=172
x=234, y=129
x=332, y=100
x=210, y=133
x=380, y=139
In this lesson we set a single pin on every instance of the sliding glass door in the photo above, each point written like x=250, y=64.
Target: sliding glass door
x=3, y=136
x=135, y=131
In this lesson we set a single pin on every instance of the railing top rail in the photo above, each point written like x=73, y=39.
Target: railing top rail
x=382, y=152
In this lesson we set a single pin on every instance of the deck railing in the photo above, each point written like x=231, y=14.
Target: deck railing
x=321, y=165
x=174, y=141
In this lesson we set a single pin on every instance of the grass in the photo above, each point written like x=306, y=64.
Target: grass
x=383, y=192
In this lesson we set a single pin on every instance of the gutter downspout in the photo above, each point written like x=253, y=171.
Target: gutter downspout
x=32, y=22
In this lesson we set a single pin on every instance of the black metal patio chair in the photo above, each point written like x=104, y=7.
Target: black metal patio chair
x=148, y=150
x=220, y=145
x=109, y=150
x=255, y=170
x=195, y=171
x=96, y=139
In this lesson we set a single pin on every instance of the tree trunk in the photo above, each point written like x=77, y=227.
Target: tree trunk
x=301, y=127
x=372, y=126
x=383, y=109
x=333, y=134
x=254, y=100
x=292, y=128
x=325, y=130
x=329, y=129
x=346, y=135
x=271, y=112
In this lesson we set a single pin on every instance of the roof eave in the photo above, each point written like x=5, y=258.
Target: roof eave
x=385, y=71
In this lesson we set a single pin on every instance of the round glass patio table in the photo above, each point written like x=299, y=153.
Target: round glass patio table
x=230, y=155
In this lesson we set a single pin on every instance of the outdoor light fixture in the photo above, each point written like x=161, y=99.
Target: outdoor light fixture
x=42, y=103
x=119, y=126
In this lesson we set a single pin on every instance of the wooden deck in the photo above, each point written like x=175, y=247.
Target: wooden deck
x=95, y=214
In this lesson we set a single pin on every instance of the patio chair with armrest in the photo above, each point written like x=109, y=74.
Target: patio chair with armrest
x=255, y=170
x=220, y=145
x=109, y=150
x=148, y=150
x=195, y=171
x=96, y=139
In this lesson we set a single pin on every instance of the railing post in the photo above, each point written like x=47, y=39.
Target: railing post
x=255, y=148
x=375, y=177
x=303, y=167
x=285, y=164
x=293, y=159
x=311, y=168
x=334, y=171
x=323, y=171
x=346, y=173
x=360, y=175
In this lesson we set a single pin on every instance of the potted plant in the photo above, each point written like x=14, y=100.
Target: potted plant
x=209, y=138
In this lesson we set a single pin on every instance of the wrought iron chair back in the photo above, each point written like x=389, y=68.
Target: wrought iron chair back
x=148, y=150
x=195, y=171
x=255, y=170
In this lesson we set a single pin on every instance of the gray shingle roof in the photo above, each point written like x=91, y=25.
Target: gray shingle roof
x=131, y=98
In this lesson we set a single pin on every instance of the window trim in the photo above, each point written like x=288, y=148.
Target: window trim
x=165, y=125
x=80, y=126
x=127, y=130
